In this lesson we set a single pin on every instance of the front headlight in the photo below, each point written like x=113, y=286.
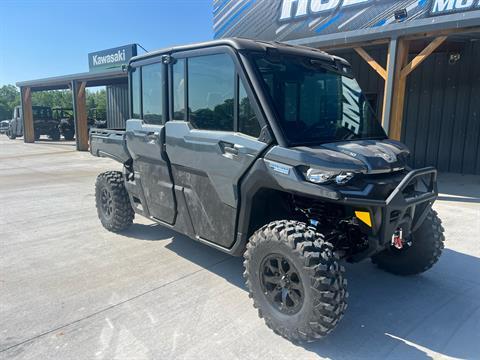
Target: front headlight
x=318, y=176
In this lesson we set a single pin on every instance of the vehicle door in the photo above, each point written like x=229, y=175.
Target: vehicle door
x=145, y=135
x=212, y=139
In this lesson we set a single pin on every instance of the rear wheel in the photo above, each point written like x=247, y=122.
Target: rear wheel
x=295, y=280
x=421, y=255
x=113, y=204
x=11, y=135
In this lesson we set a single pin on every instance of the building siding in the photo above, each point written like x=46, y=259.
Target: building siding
x=117, y=106
x=442, y=115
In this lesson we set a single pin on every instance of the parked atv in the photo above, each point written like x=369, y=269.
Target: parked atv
x=269, y=151
x=66, y=121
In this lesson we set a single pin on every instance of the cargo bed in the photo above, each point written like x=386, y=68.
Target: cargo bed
x=109, y=143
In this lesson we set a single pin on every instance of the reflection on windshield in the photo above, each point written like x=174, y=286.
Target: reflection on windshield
x=315, y=104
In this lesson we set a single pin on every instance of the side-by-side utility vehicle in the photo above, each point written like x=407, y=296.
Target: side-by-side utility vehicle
x=272, y=152
x=43, y=123
x=66, y=121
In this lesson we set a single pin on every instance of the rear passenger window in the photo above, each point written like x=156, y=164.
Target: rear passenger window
x=211, y=85
x=152, y=93
x=247, y=120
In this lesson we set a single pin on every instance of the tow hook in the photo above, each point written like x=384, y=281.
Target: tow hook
x=397, y=239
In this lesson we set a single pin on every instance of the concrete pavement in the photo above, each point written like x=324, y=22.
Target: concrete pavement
x=71, y=290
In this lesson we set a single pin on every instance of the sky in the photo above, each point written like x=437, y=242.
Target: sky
x=44, y=38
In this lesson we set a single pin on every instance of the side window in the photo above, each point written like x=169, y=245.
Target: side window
x=152, y=93
x=135, y=78
x=178, y=90
x=211, y=85
x=247, y=120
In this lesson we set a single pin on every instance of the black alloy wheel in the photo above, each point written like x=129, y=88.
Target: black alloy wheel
x=281, y=284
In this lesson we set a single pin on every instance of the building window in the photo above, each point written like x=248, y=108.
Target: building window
x=211, y=84
x=247, y=120
x=179, y=90
x=152, y=94
x=136, y=112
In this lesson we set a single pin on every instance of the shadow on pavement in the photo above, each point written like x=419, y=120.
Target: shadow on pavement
x=433, y=314
x=456, y=187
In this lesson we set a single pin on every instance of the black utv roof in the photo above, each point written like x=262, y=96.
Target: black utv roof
x=244, y=44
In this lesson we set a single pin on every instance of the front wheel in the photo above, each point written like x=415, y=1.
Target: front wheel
x=295, y=280
x=424, y=251
x=113, y=204
x=69, y=135
x=55, y=135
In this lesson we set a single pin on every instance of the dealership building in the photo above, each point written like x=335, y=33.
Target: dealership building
x=106, y=68
x=417, y=61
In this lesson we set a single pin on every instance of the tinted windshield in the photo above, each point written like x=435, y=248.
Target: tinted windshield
x=315, y=104
x=42, y=112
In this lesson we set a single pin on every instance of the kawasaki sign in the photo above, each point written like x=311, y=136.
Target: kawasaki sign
x=111, y=58
x=285, y=20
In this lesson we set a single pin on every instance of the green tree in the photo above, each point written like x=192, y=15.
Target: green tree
x=9, y=98
x=53, y=98
x=97, y=100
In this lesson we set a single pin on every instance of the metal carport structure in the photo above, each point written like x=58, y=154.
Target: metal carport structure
x=77, y=83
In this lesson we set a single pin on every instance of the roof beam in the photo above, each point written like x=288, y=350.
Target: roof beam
x=372, y=62
x=423, y=55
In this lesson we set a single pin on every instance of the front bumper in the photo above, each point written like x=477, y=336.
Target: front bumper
x=406, y=207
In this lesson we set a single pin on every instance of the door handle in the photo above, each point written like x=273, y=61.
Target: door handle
x=230, y=150
x=151, y=135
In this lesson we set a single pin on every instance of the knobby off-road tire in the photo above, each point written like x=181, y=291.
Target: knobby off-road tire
x=313, y=271
x=426, y=248
x=112, y=201
x=54, y=135
x=11, y=135
x=69, y=135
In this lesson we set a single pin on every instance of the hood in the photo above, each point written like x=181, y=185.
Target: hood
x=361, y=156
x=378, y=156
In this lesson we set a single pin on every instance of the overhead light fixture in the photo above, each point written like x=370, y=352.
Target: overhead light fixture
x=401, y=15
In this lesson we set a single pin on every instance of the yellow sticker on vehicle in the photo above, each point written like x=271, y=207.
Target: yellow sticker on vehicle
x=364, y=216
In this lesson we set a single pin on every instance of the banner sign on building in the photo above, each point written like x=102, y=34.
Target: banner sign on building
x=284, y=20
x=111, y=58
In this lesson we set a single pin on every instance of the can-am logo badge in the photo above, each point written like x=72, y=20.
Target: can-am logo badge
x=109, y=59
x=387, y=157
x=294, y=9
x=279, y=168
